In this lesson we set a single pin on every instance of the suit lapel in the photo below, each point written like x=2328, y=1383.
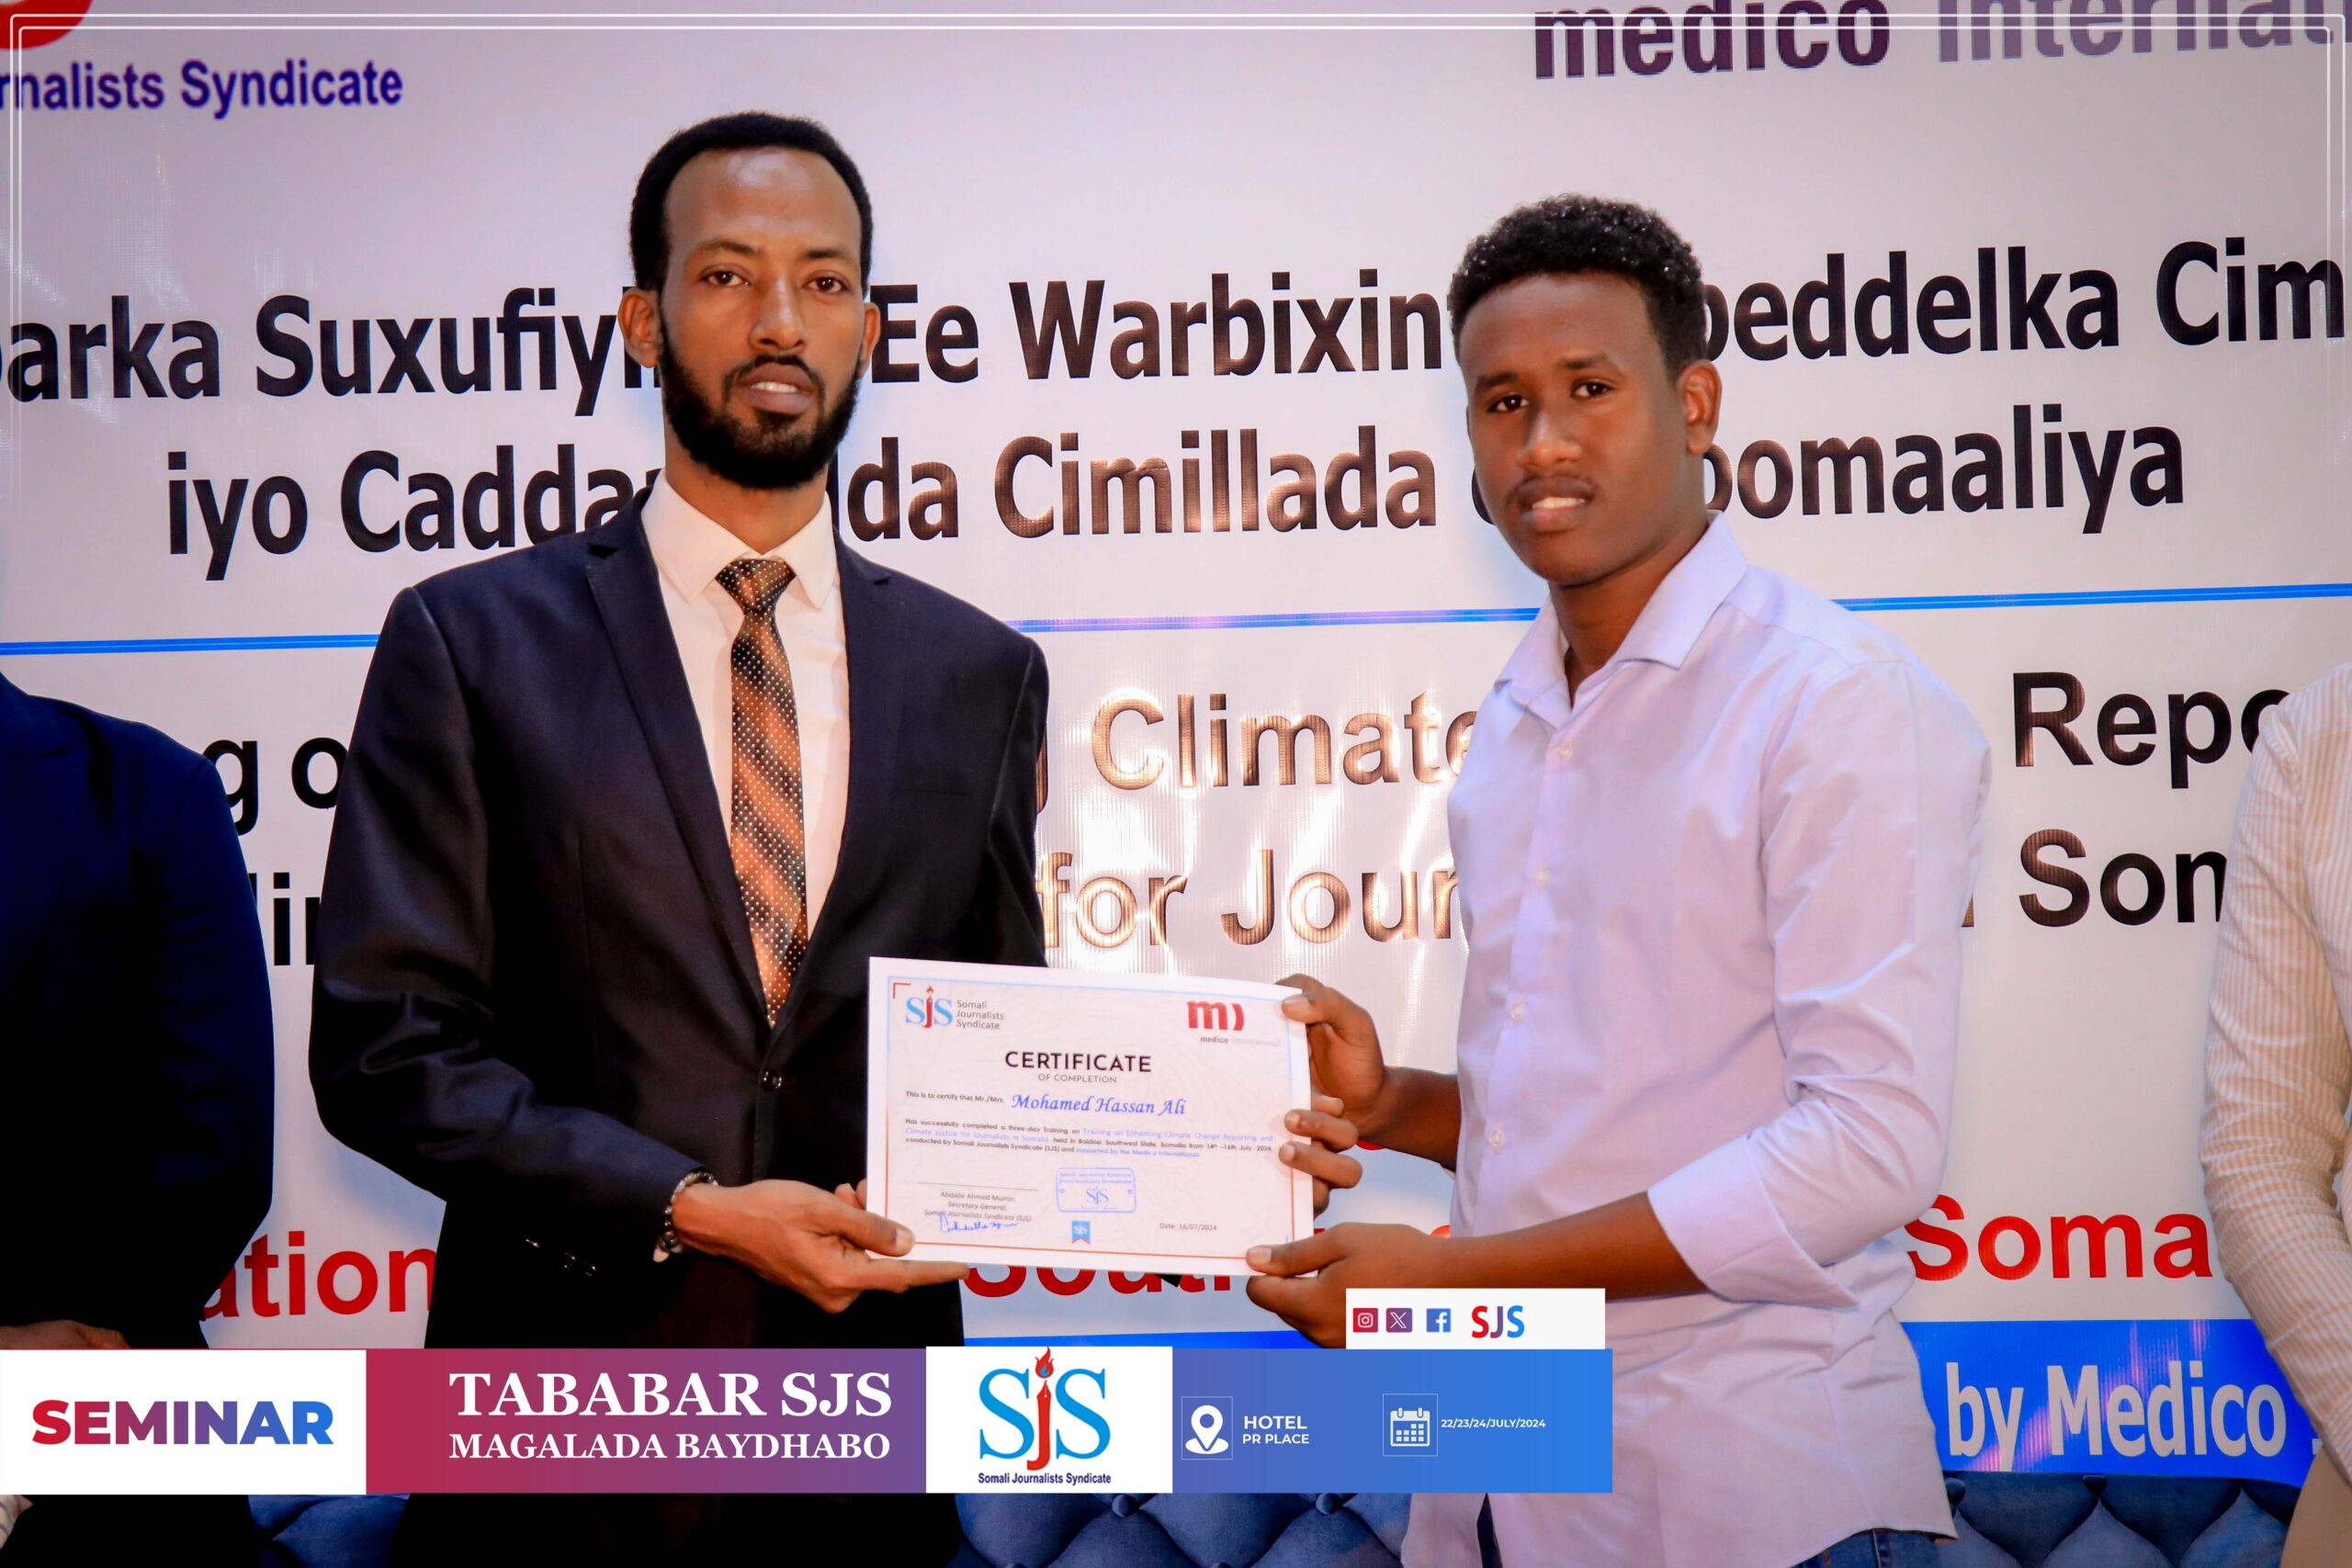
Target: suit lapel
x=876, y=645
x=626, y=587
x=41, y=815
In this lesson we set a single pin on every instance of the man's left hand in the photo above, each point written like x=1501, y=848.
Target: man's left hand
x=1365, y=1256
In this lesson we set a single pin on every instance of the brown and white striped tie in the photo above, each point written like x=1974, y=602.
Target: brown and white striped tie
x=764, y=831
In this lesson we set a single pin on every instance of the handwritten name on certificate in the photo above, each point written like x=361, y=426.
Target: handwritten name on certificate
x=1072, y=1121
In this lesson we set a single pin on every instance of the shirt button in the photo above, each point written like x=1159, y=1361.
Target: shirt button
x=1542, y=876
x=1517, y=1010
x=771, y=1080
x=1565, y=751
x=1494, y=1137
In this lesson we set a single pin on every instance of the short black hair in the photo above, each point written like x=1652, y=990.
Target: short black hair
x=649, y=226
x=1589, y=233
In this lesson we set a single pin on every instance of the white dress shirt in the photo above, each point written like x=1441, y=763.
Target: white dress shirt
x=690, y=551
x=2278, y=1066
x=1714, y=910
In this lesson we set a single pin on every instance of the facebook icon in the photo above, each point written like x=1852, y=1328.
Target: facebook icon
x=1437, y=1320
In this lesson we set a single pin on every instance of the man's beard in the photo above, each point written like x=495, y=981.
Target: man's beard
x=759, y=455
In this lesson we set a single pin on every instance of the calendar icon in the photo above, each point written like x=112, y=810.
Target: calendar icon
x=1411, y=1424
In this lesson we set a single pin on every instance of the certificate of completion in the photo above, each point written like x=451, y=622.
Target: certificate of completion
x=1072, y=1121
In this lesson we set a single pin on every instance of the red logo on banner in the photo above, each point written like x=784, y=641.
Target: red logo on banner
x=52, y=20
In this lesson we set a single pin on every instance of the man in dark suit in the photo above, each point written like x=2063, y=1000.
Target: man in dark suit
x=626, y=815
x=136, y=1069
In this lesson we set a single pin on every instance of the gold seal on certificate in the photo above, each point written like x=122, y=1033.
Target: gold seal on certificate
x=1072, y=1121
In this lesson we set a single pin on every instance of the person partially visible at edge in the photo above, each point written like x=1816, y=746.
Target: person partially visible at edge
x=137, y=1075
x=2279, y=1077
x=624, y=818
x=1716, y=838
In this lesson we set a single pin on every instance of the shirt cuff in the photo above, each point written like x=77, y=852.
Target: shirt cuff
x=1720, y=1218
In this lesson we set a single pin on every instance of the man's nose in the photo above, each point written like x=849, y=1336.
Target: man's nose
x=777, y=326
x=1552, y=442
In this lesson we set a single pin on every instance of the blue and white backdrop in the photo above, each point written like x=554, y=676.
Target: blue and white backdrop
x=2030, y=317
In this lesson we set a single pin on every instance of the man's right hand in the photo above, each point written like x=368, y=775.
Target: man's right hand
x=1342, y=1049
x=59, y=1334
x=818, y=1244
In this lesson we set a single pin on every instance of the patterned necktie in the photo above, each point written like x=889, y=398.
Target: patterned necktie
x=764, y=824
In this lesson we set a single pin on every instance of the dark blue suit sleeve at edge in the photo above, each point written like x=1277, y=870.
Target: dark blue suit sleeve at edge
x=402, y=1009
x=1007, y=925
x=210, y=1037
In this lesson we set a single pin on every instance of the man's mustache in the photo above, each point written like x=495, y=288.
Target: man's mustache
x=1573, y=487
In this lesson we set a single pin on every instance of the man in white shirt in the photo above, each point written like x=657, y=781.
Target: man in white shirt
x=2278, y=1074
x=1716, y=837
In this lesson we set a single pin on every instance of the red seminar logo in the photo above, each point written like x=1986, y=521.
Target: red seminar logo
x=57, y=17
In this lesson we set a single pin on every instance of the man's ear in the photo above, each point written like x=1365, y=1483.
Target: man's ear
x=1703, y=400
x=873, y=335
x=640, y=319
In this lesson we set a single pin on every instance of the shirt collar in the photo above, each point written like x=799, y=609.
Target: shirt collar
x=1665, y=632
x=1535, y=669
x=691, y=549
x=1682, y=604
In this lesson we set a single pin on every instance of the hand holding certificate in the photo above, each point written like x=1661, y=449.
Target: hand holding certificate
x=1072, y=1121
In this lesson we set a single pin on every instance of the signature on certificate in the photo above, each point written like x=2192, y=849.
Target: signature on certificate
x=953, y=1223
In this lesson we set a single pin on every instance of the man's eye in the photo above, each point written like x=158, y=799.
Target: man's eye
x=1508, y=404
x=829, y=283
x=1591, y=389
x=722, y=275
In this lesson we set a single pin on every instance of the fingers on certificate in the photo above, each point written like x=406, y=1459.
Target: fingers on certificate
x=819, y=1245
x=889, y=1239
x=1343, y=1045
x=1325, y=1159
x=1310, y=1305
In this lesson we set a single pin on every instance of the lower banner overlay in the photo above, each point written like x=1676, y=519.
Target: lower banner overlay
x=1075, y=1417
x=2185, y=1397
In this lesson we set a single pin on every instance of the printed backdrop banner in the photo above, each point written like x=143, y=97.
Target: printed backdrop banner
x=2031, y=325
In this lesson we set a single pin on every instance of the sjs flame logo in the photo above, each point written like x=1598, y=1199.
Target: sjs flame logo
x=925, y=1009
x=1029, y=1416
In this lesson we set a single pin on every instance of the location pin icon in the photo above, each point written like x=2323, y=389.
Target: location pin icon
x=1208, y=1423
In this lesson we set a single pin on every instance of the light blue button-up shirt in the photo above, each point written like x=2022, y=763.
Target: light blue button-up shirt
x=1714, y=908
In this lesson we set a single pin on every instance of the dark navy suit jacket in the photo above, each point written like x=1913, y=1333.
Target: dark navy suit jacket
x=536, y=994
x=136, y=1062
